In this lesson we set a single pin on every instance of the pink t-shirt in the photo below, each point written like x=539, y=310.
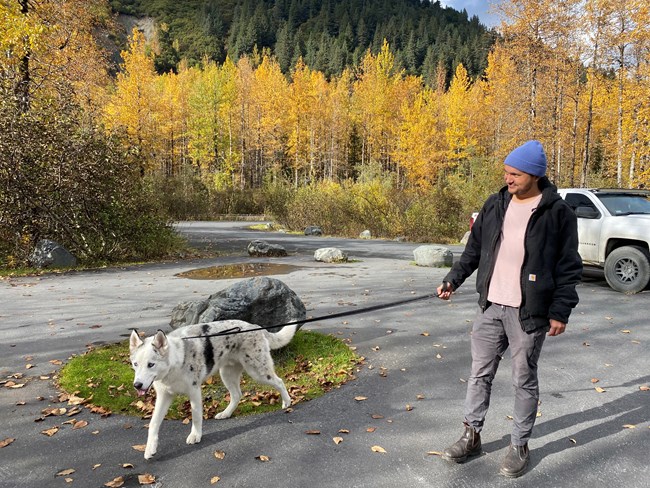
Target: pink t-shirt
x=505, y=287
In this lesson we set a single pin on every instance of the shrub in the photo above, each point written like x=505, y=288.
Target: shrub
x=68, y=182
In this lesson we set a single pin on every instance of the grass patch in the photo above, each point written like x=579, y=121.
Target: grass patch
x=311, y=365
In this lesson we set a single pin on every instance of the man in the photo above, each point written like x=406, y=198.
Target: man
x=524, y=244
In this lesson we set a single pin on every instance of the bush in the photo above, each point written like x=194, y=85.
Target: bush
x=72, y=184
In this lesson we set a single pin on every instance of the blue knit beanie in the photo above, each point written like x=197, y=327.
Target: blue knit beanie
x=529, y=158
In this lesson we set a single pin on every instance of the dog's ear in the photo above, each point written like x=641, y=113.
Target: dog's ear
x=160, y=342
x=134, y=340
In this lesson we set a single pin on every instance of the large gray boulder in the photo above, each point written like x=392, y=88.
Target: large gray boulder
x=433, y=256
x=51, y=254
x=264, y=249
x=262, y=300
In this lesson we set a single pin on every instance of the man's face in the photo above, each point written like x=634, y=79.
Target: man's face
x=520, y=184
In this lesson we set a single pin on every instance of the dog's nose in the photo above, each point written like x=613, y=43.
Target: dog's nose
x=137, y=385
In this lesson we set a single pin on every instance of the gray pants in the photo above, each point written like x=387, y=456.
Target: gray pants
x=493, y=332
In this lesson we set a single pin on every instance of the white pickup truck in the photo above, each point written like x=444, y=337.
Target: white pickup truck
x=614, y=233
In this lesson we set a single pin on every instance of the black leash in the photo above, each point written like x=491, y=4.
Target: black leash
x=238, y=330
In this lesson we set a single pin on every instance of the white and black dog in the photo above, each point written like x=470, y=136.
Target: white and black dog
x=174, y=365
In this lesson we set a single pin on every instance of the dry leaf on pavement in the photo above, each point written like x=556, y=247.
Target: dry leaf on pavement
x=146, y=479
x=6, y=442
x=115, y=483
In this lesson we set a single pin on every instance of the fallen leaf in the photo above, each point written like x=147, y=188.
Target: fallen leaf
x=56, y=362
x=425, y=334
x=219, y=455
x=54, y=411
x=29, y=366
x=625, y=331
x=360, y=398
x=644, y=388
x=80, y=425
x=146, y=479
x=115, y=483
x=6, y=442
x=629, y=426
x=595, y=380
x=50, y=432
x=337, y=440
x=376, y=416
x=344, y=431
x=263, y=458
x=95, y=466
x=140, y=447
x=312, y=432
x=65, y=472
x=572, y=440
x=600, y=390
x=371, y=429
x=434, y=453
x=509, y=417
x=586, y=344
x=127, y=466
x=378, y=449
x=214, y=480
x=420, y=396
x=409, y=408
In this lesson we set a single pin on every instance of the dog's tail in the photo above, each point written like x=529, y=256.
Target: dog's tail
x=282, y=337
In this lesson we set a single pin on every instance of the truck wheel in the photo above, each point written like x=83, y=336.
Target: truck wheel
x=627, y=269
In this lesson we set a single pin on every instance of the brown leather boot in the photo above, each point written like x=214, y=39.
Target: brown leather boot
x=516, y=461
x=468, y=445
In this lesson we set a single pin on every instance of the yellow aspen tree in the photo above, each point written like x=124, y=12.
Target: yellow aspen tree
x=227, y=117
x=302, y=101
x=269, y=95
x=245, y=114
x=131, y=107
x=460, y=143
x=375, y=105
x=173, y=116
x=309, y=122
x=504, y=104
x=339, y=126
x=419, y=147
x=50, y=50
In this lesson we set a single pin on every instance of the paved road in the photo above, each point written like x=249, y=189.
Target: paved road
x=416, y=355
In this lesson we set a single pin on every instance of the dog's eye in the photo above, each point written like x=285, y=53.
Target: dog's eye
x=150, y=365
x=135, y=364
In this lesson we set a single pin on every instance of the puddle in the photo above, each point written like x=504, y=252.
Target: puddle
x=245, y=270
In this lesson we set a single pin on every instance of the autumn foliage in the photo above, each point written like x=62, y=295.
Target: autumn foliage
x=372, y=146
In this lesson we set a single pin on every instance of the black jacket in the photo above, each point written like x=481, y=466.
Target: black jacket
x=552, y=266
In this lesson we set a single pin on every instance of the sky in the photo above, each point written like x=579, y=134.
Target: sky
x=474, y=7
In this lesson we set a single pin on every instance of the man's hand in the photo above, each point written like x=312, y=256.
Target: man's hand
x=557, y=328
x=445, y=290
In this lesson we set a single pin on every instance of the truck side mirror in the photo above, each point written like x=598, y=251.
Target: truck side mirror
x=587, y=213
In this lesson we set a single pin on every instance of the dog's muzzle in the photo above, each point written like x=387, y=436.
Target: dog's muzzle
x=140, y=388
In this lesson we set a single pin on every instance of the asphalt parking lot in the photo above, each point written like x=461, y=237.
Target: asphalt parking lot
x=593, y=428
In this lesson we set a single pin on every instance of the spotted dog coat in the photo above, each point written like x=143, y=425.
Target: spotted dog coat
x=174, y=365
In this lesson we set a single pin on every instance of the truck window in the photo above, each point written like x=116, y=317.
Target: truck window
x=576, y=200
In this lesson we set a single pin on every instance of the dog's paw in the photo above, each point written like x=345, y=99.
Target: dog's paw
x=222, y=415
x=148, y=454
x=193, y=438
